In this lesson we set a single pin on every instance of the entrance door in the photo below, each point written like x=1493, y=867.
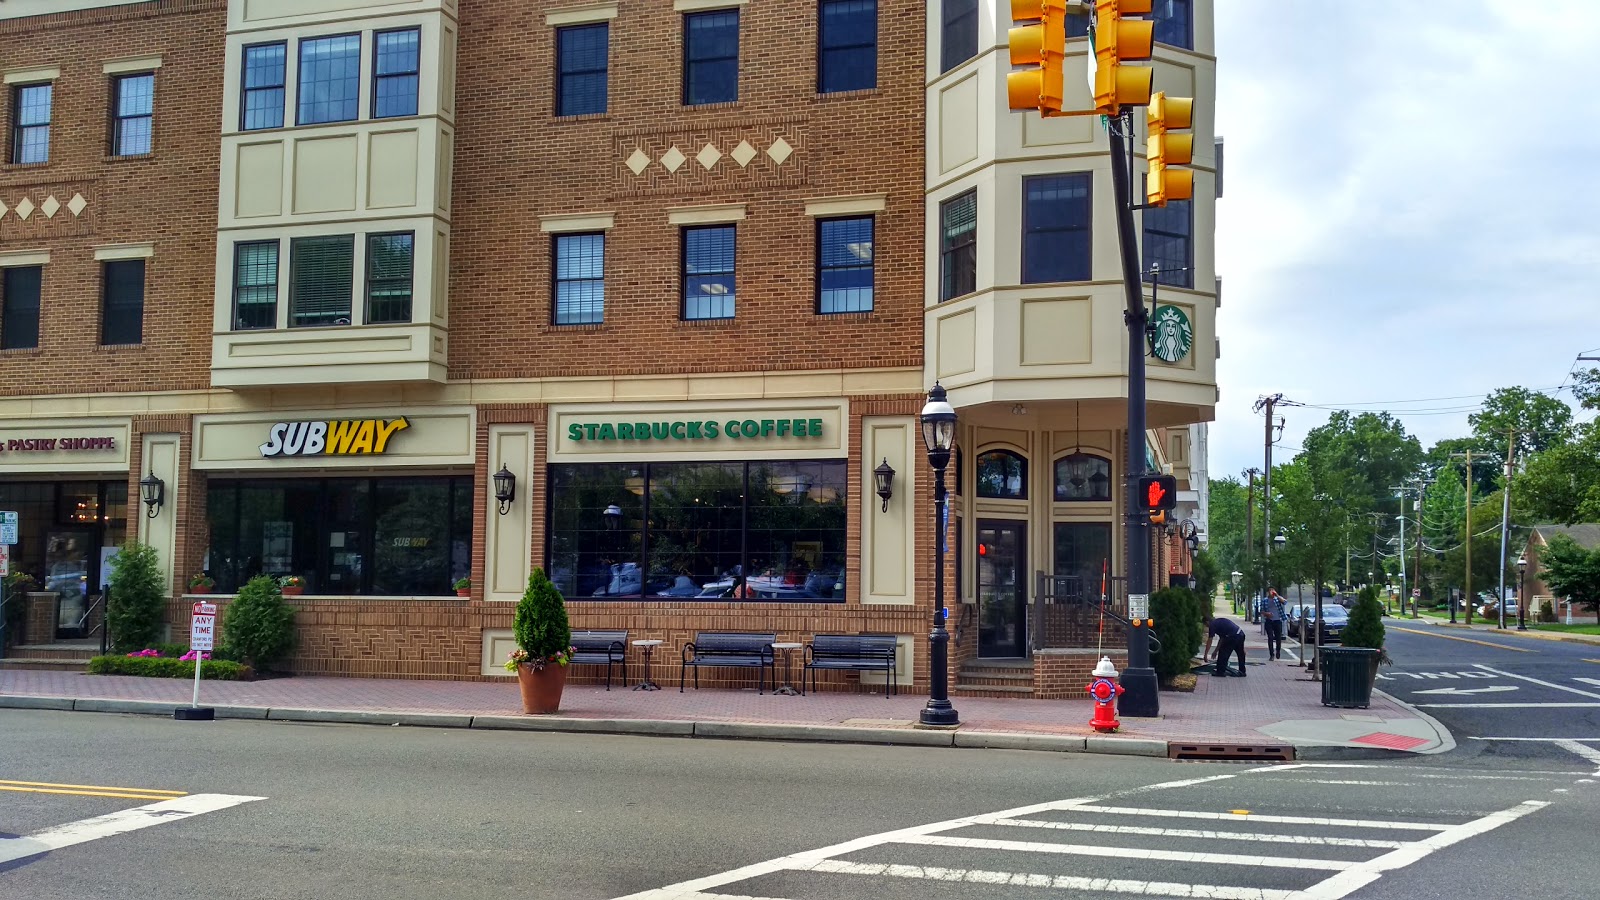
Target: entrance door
x=67, y=555
x=1002, y=594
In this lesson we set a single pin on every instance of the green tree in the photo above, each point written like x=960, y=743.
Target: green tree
x=1562, y=484
x=1571, y=571
x=137, y=597
x=258, y=626
x=540, y=624
x=1225, y=523
x=1366, y=621
x=1177, y=615
x=1539, y=420
x=1207, y=574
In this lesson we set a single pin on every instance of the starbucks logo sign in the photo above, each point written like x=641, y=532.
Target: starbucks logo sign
x=1171, y=335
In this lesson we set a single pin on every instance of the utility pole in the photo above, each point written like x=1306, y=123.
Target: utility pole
x=1250, y=531
x=1267, y=404
x=1422, y=487
x=1467, y=590
x=1505, y=523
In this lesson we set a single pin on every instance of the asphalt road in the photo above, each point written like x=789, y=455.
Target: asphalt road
x=1506, y=699
x=371, y=813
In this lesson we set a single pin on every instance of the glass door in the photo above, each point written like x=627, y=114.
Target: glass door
x=67, y=555
x=1002, y=594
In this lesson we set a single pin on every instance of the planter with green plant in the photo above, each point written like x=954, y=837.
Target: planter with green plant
x=291, y=585
x=463, y=587
x=544, y=645
x=1350, y=670
x=14, y=614
x=138, y=596
x=201, y=583
x=257, y=626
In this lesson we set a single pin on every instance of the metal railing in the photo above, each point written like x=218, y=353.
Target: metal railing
x=1070, y=611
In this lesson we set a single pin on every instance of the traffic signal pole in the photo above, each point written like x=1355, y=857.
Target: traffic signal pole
x=1141, y=695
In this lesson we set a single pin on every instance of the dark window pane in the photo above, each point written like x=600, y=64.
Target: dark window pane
x=581, y=53
x=122, y=307
x=708, y=272
x=580, y=283
x=389, y=266
x=264, y=69
x=844, y=265
x=1002, y=475
x=30, y=139
x=394, y=88
x=959, y=39
x=19, y=307
x=1172, y=23
x=411, y=544
x=696, y=513
x=1167, y=242
x=134, y=96
x=1081, y=476
x=593, y=552
x=330, y=79
x=1056, y=228
x=1083, y=551
x=958, y=246
x=255, y=285
x=847, y=51
x=711, y=57
x=321, y=279
x=797, y=522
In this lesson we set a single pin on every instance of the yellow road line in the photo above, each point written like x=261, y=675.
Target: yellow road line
x=1451, y=637
x=125, y=796
x=93, y=787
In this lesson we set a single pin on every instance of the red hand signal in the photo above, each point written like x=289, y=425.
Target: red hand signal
x=1155, y=493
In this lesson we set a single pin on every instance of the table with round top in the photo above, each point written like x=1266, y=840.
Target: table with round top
x=649, y=647
x=788, y=688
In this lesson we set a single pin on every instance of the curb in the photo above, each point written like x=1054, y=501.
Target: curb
x=1592, y=640
x=1447, y=741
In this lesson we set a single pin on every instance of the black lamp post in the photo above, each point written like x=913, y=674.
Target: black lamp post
x=939, y=434
x=153, y=491
x=505, y=489
x=883, y=479
x=1522, y=593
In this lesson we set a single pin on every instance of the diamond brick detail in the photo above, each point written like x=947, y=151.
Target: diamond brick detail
x=638, y=161
x=4, y=209
x=780, y=151
x=77, y=204
x=24, y=209
x=50, y=207
x=708, y=156
x=743, y=153
x=673, y=158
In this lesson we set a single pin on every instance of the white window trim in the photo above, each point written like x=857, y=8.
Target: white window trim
x=571, y=222
x=698, y=5
x=17, y=258
x=133, y=64
x=846, y=206
x=124, y=251
x=706, y=215
x=29, y=76
x=581, y=15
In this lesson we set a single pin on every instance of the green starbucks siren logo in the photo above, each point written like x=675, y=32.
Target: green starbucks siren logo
x=1171, y=336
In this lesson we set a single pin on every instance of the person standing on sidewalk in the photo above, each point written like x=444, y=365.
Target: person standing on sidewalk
x=1273, y=613
x=1230, y=640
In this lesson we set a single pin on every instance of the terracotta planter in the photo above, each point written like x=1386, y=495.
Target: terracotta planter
x=465, y=593
x=541, y=690
x=199, y=589
x=294, y=591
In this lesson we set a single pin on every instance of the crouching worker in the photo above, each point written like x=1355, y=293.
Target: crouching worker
x=1230, y=640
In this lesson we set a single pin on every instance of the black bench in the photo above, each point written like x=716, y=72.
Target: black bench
x=602, y=648
x=861, y=652
x=728, y=649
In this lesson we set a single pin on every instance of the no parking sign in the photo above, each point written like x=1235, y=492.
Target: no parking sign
x=203, y=627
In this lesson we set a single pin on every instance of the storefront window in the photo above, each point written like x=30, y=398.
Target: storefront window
x=1083, y=477
x=1083, y=549
x=66, y=534
x=344, y=536
x=756, y=531
x=1002, y=475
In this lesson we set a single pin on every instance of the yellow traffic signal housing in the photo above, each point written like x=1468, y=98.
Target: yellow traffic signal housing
x=1116, y=40
x=1040, y=44
x=1164, y=149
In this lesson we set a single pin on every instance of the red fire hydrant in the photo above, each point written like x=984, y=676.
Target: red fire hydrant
x=1104, y=689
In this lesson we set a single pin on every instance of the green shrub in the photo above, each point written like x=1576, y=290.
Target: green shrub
x=137, y=598
x=540, y=625
x=161, y=667
x=258, y=627
x=1366, y=622
x=1178, y=627
x=1547, y=612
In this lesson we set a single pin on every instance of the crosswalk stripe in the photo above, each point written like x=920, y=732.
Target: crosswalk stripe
x=1099, y=828
x=119, y=822
x=1224, y=859
x=1252, y=817
x=1060, y=882
x=1538, y=681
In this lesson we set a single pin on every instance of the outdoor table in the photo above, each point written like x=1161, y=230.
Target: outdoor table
x=647, y=647
x=788, y=689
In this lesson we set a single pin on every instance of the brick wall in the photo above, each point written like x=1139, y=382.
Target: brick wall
x=1063, y=674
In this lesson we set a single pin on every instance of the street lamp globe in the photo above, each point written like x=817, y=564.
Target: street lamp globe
x=938, y=426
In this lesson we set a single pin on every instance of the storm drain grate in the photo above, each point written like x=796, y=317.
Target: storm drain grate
x=1234, y=752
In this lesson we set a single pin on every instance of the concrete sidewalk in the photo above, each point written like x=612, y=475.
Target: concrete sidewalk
x=1276, y=705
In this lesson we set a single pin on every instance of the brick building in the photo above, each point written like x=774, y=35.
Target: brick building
x=682, y=269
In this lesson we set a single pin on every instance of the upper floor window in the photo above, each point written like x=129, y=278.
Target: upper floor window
x=958, y=245
x=1002, y=475
x=958, y=39
x=708, y=272
x=1173, y=25
x=122, y=302
x=1168, y=244
x=847, y=45
x=580, y=278
x=264, y=71
x=329, y=89
x=30, y=117
x=1055, y=228
x=133, y=98
x=1078, y=26
x=394, y=73
x=581, y=55
x=321, y=279
x=19, y=307
x=389, y=277
x=255, y=284
x=1083, y=477
x=844, y=265
x=711, y=57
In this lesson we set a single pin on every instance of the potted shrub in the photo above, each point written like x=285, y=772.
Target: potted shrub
x=292, y=585
x=201, y=583
x=463, y=587
x=138, y=597
x=258, y=627
x=1349, y=671
x=544, y=645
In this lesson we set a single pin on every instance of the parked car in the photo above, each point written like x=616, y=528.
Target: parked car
x=1303, y=617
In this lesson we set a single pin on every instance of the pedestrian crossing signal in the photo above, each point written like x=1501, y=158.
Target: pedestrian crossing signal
x=1158, y=494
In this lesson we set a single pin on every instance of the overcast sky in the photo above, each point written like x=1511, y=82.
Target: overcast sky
x=1406, y=214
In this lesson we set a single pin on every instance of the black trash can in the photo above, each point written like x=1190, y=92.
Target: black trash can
x=1347, y=676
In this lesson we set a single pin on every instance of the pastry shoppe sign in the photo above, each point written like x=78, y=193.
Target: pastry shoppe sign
x=63, y=444
x=333, y=437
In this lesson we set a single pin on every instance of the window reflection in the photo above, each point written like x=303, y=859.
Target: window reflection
x=1002, y=475
x=1083, y=477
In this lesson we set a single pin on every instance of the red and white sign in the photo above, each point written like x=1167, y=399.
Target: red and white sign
x=203, y=627
x=5, y=560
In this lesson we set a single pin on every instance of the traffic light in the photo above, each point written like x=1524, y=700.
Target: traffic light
x=1117, y=39
x=1157, y=495
x=1165, y=149
x=1041, y=43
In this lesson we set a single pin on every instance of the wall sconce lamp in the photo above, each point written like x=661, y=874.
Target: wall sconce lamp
x=153, y=491
x=883, y=477
x=505, y=489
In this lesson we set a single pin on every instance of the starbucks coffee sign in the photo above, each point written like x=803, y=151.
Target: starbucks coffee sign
x=695, y=430
x=1171, y=335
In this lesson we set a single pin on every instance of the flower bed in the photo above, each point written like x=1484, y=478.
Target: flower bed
x=167, y=667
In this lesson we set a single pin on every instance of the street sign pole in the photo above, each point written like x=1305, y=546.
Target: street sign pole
x=202, y=639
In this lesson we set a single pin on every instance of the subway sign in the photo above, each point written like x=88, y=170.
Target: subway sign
x=695, y=430
x=336, y=437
